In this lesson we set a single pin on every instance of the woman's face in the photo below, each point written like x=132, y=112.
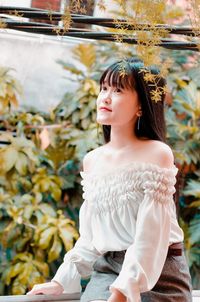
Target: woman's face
x=116, y=106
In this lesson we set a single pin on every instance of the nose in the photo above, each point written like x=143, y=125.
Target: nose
x=107, y=100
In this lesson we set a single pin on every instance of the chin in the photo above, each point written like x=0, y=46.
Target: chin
x=102, y=121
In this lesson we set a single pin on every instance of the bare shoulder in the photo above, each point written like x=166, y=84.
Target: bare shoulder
x=90, y=159
x=160, y=154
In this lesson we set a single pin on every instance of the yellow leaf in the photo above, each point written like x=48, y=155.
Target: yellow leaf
x=35, y=278
x=86, y=54
x=25, y=257
x=31, y=155
x=21, y=163
x=18, y=288
x=44, y=184
x=9, y=157
x=3, y=90
x=46, y=237
x=10, y=91
x=28, y=211
x=15, y=213
x=24, y=275
x=67, y=235
x=13, y=100
x=35, y=178
x=47, y=209
x=55, y=250
x=16, y=269
x=181, y=83
x=91, y=87
x=42, y=267
x=56, y=193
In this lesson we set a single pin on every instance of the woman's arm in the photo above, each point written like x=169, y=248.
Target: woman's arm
x=145, y=258
x=77, y=262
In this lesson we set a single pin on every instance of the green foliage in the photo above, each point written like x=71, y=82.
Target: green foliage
x=40, y=188
x=183, y=121
x=19, y=155
x=25, y=271
x=34, y=229
x=9, y=90
x=53, y=232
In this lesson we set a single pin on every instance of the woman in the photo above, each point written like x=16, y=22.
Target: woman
x=130, y=241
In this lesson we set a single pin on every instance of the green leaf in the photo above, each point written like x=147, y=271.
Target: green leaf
x=193, y=188
x=194, y=230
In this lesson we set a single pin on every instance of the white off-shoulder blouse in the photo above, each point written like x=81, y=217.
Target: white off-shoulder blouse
x=129, y=208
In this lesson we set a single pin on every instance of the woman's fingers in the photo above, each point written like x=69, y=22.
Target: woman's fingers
x=37, y=289
x=49, y=288
x=40, y=289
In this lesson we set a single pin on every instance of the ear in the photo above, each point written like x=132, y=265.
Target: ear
x=139, y=113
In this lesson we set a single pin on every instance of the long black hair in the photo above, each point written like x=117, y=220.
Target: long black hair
x=130, y=74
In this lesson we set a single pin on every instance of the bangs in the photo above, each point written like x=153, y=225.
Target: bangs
x=118, y=75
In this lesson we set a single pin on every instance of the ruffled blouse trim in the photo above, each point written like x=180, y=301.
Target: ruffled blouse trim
x=134, y=167
x=127, y=185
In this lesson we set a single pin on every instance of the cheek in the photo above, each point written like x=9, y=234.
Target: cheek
x=98, y=100
x=128, y=108
x=126, y=114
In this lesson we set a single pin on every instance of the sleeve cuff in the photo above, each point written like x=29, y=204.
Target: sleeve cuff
x=128, y=288
x=69, y=278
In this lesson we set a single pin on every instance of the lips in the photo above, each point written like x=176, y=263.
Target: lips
x=105, y=109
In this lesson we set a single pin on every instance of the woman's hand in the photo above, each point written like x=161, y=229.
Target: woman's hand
x=117, y=296
x=49, y=288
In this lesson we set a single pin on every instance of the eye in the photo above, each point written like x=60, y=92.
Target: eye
x=103, y=88
x=118, y=90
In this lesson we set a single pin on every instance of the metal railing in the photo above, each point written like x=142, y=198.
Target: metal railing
x=41, y=298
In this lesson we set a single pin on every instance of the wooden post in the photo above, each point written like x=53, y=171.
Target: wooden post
x=47, y=4
x=51, y=5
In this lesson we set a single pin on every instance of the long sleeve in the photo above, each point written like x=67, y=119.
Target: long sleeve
x=145, y=258
x=79, y=260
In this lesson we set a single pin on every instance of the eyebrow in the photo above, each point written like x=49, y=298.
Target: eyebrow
x=112, y=85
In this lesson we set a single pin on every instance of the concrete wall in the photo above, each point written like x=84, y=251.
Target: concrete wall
x=34, y=59
x=23, y=3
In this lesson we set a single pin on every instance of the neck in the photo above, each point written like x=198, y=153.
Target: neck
x=122, y=136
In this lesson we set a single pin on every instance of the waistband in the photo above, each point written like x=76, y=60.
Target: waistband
x=175, y=249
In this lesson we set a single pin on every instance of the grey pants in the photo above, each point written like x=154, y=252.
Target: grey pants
x=174, y=284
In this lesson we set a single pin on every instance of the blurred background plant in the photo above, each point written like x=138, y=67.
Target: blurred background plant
x=183, y=125
x=40, y=160
x=10, y=88
x=38, y=220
